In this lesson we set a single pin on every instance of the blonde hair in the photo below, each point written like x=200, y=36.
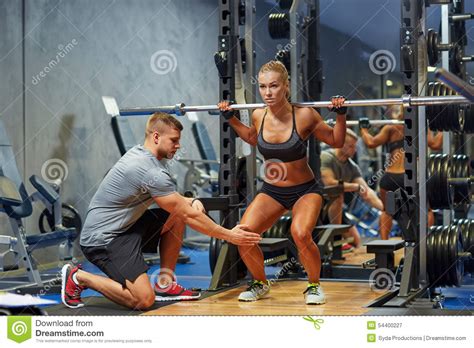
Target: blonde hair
x=278, y=67
x=396, y=110
x=156, y=122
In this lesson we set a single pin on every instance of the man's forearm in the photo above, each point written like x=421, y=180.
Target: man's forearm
x=351, y=187
x=374, y=200
x=202, y=223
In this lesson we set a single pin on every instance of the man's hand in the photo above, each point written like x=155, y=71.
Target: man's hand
x=241, y=235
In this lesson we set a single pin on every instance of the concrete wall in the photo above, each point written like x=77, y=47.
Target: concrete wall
x=77, y=51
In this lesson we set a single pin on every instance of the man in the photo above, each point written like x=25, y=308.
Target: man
x=337, y=166
x=119, y=224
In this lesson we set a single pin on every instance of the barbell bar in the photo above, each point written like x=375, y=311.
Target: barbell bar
x=113, y=110
x=455, y=83
x=355, y=123
x=406, y=101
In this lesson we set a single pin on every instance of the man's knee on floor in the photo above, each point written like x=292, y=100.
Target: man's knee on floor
x=144, y=301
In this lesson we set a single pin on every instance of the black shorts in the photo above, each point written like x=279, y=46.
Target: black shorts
x=392, y=181
x=287, y=196
x=122, y=259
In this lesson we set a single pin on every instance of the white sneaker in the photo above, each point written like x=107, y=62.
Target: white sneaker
x=314, y=294
x=255, y=291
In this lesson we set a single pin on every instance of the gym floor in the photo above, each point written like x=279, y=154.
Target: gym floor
x=343, y=298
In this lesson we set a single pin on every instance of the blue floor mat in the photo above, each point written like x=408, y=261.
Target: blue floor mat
x=460, y=298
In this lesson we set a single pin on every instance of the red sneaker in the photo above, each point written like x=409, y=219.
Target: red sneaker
x=70, y=291
x=346, y=248
x=175, y=292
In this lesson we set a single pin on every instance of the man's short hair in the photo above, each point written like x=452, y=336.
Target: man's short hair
x=158, y=119
x=351, y=133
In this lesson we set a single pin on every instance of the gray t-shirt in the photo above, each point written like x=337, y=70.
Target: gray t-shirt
x=346, y=171
x=124, y=195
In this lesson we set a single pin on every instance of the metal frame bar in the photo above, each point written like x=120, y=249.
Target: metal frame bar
x=445, y=38
x=226, y=270
x=250, y=89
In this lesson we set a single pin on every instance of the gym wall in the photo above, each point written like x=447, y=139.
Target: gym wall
x=77, y=51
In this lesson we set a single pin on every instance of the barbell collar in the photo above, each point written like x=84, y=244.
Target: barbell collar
x=461, y=17
x=461, y=181
x=464, y=255
x=406, y=100
x=444, y=46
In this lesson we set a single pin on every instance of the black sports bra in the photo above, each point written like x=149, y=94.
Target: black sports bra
x=394, y=145
x=291, y=150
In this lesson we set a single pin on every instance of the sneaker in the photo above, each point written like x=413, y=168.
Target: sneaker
x=175, y=292
x=255, y=291
x=314, y=294
x=70, y=291
x=346, y=248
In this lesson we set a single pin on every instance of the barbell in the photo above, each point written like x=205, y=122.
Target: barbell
x=434, y=47
x=181, y=109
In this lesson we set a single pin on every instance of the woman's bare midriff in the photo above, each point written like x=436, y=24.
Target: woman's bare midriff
x=284, y=174
x=396, y=160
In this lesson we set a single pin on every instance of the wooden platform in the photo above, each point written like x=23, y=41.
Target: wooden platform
x=343, y=298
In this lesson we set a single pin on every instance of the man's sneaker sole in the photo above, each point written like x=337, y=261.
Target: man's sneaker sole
x=176, y=298
x=63, y=287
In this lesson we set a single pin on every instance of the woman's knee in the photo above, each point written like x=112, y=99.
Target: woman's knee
x=246, y=250
x=301, y=235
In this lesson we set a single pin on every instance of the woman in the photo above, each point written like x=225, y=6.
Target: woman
x=280, y=131
x=393, y=177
